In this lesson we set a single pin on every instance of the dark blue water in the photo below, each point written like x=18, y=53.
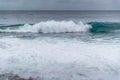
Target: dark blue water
x=21, y=17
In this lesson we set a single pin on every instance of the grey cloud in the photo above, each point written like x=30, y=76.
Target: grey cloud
x=59, y=5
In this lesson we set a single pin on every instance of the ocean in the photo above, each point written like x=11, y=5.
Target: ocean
x=60, y=45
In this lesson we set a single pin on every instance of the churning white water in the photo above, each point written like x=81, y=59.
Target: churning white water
x=64, y=59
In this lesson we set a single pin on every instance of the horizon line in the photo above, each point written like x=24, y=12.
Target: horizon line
x=59, y=10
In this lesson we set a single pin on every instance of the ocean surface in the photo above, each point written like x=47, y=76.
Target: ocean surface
x=60, y=45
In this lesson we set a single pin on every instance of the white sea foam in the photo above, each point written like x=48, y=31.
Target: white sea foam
x=60, y=59
x=52, y=27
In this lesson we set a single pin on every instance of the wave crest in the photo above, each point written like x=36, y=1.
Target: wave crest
x=58, y=27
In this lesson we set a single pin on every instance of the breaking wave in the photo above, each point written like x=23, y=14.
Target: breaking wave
x=48, y=27
x=62, y=27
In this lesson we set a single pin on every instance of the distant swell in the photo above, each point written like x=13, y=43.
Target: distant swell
x=62, y=27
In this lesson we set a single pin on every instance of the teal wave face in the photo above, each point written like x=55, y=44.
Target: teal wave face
x=104, y=27
x=5, y=27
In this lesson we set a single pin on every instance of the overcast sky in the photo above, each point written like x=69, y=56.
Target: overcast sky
x=59, y=4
